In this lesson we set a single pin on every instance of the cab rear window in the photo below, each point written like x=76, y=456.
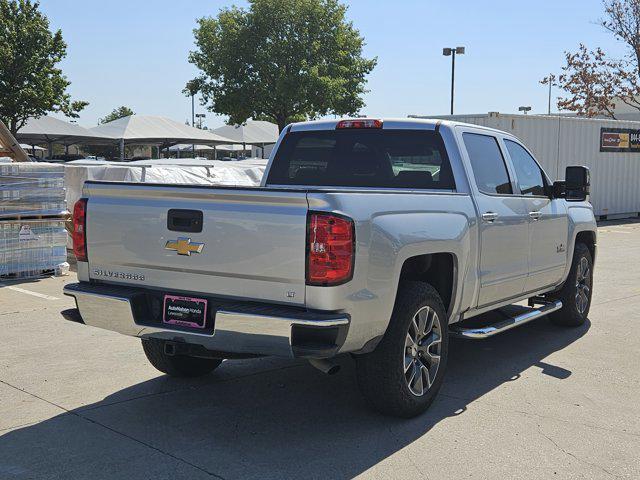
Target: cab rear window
x=376, y=158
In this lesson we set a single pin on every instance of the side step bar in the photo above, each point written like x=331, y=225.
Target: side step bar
x=480, y=333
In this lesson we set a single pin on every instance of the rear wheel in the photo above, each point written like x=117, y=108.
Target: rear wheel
x=402, y=376
x=177, y=365
x=576, y=291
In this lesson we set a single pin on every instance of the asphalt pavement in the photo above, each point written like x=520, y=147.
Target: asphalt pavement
x=536, y=402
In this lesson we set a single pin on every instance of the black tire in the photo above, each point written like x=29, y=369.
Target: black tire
x=576, y=301
x=177, y=365
x=383, y=375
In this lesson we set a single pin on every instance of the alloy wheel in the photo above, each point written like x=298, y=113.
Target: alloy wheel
x=583, y=285
x=422, y=351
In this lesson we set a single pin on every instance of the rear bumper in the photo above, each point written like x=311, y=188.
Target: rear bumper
x=240, y=328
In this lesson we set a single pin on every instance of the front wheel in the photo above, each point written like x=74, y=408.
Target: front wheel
x=576, y=291
x=402, y=376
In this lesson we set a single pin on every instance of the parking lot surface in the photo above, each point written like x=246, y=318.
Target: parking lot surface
x=535, y=402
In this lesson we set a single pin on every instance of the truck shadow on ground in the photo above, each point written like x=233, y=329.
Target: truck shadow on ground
x=288, y=421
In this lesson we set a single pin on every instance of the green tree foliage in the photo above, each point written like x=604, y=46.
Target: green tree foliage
x=595, y=83
x=281, y=61
x=191, y=88
x=31, y=84
x=116, y=113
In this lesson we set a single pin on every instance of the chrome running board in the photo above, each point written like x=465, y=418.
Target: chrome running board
x=480, y=333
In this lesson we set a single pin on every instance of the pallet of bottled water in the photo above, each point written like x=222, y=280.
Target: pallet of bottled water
x=33, y=247
x=33, y=211
x=31, y=189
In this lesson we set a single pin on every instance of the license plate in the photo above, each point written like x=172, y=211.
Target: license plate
x=185, y=311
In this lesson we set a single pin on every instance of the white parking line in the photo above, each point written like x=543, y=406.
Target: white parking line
x=613, y=231
x=29, y=292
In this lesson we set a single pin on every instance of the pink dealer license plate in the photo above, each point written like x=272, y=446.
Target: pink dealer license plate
x=185, y=311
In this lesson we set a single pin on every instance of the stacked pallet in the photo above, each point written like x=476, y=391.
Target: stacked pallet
x=32, y=219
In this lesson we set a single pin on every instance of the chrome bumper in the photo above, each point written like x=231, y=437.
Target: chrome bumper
x=238, y=328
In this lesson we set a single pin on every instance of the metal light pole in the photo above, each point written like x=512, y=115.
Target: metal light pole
x=200, y=117
x=193, y=110
x=191, y=89
x=193, y=119
x=552, y=82
x=451, y=52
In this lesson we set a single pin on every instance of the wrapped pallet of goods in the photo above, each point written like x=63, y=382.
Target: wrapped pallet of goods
x=32, y=218
x=33, y=247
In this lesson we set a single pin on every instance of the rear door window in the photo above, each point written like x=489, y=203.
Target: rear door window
x=487, y=162
x=376, y=158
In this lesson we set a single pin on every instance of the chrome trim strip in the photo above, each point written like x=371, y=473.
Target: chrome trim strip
x=205, y=272
x=481, y=333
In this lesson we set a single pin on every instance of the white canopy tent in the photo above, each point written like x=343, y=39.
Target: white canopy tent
x=253, y=132
x=32, y=147
x=183, y=147
x=186, y=148
x=203, y=149
x=49, y=130
x=232, y=148
x=153, y=130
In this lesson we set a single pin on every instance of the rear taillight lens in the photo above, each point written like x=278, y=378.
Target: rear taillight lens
x=330, y=249
x=79, y=234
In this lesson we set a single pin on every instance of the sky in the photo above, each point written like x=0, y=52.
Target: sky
x=134, y=53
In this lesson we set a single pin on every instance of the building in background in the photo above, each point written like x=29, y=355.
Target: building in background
x=610, y=148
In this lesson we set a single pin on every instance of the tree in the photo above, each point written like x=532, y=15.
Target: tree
x=116, y=113
x=593, y=81
x=281, y=61
x=31, y=84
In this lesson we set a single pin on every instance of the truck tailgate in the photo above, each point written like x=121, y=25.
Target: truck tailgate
x=253, y=240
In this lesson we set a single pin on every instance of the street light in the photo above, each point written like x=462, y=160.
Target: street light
x=524, y=109
x=200, y=116
x=191, y=89
x=451, y=52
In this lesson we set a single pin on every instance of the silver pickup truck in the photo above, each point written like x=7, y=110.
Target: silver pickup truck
x=377, y=238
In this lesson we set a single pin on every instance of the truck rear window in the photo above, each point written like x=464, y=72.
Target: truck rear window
x=363, y=158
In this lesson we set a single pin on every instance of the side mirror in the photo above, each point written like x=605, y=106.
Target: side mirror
x=577, y=183
x=557, y=190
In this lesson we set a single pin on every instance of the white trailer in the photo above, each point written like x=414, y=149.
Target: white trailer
x=610, y=148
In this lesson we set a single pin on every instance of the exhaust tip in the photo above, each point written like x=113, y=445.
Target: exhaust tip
x=333, y=369
x=325, y=366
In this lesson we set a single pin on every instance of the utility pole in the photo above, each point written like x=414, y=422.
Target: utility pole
x=550, y=82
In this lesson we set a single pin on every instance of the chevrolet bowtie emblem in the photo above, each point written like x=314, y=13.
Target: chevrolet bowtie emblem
x=184, y=246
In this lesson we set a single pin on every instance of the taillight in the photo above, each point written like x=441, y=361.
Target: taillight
x=359, y=123
x=330, y=249
x=79, y=234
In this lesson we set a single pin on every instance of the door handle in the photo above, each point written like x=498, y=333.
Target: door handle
x=535, y=216
x=489, y=216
